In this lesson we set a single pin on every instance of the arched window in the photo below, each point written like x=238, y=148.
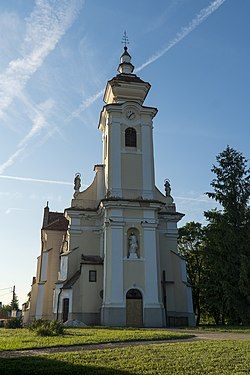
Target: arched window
x=130, y=137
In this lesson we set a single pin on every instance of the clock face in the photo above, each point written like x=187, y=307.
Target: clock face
x=130, y=114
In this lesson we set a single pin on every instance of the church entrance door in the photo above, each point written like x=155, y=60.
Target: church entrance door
x=65, y=312
x=134, y=308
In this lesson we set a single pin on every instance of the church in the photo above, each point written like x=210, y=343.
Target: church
x=111, y=258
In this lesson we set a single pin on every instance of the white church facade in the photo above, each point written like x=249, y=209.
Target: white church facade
x=111, y=258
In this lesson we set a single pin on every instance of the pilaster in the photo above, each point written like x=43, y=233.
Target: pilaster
x=147, y=161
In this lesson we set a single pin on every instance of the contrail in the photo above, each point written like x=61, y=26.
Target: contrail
x=36, y=180
x=202, y=198
x=196, y=21
x=86, y=104
x=185, y=31
x=46, y=25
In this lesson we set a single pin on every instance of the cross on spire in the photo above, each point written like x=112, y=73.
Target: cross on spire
x=125, y=40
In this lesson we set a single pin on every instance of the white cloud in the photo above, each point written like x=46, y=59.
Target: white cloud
x=202, y=198
x=38, y=118
x=86, y=104
x=11, y=160
x=11, y=209
x=44, y=7
x=185, y=31
x=29, y=179
x=44, y=27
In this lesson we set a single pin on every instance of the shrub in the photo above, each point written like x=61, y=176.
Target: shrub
x=13, y=323
x=44, y=327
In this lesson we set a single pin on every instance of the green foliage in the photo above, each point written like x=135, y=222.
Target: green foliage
x=13, y=323
x=199, y=358
x=14, y=302
x=218, y=255
x=226, y=262
x=26, y=339
x=5, y=311
x=191, y=246
x=47, y=328
x=231, y=185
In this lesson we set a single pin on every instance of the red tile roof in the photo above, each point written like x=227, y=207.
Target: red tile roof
x=56, y=221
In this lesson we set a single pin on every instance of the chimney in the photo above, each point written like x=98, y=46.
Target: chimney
x=46, y=215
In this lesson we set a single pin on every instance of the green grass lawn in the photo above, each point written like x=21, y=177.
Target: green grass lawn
x=193, y=358
x=225, y=328
x=12, y=339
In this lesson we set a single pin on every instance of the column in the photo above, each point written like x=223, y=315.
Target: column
x=115, y=159
x=147, y=161
x=151, y=272
x=153, y=309
x=113, y=308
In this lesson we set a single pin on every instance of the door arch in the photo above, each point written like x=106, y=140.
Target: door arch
x=134, y=308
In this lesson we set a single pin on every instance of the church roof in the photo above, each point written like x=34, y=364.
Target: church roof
x=69, y=283
x=91, y=259
x=56, y=221
x=128, y=78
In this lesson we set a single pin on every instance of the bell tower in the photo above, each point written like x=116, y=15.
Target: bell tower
x=127, y=126
x=131, y=273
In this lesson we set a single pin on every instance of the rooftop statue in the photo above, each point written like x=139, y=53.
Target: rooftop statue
x=77, y=182
x=167, y=188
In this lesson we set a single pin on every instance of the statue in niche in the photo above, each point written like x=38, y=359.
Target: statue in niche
x=133, y=246
x=167, y=188
x=77, y=182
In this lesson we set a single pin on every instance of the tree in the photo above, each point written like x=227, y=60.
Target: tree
x=191, y=247
x=5, y=311
x=227, y=275
x=14, y=302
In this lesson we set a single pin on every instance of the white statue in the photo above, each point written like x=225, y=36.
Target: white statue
x=133, y=246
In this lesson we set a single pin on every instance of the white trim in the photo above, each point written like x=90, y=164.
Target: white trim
x=115, y=159
x=45, y=256
x=39, y=301
x=147, y=162
x=113, y=265
x=151, y=273
x=134, y=259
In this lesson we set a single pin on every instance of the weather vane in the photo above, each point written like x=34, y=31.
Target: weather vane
x=125, y=39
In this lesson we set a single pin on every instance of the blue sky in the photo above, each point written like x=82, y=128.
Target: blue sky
x=56, y=57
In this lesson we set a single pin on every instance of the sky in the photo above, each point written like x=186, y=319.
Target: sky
x=56, y=57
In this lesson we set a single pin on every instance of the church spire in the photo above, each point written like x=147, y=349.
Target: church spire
x=125, y=66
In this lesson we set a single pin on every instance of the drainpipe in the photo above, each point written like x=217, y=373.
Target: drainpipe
x=164, y=295
x=58, y=301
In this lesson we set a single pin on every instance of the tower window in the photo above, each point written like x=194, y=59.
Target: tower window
x=130, y=137
x=92, y=276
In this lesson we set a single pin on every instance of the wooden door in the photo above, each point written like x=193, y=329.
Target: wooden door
x=65, y=312
x=134, y=308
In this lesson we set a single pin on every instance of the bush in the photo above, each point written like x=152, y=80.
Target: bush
x=13, y=323
x=44, y=327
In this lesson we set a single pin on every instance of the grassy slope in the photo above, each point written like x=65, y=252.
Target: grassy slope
x=12, y=339
x=199, y=358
